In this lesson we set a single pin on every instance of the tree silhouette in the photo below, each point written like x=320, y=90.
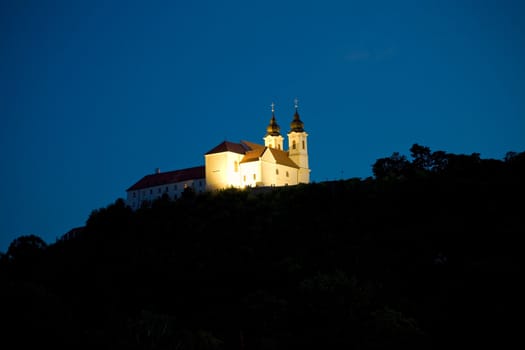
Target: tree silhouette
x=26, y=248
x=424, y=255
x=394, y=167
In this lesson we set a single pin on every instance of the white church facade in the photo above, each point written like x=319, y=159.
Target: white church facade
x=235, y=165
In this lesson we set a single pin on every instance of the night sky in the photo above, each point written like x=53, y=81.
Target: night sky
x=96, y=94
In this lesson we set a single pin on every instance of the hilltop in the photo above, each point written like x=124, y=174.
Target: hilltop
x=425, y=254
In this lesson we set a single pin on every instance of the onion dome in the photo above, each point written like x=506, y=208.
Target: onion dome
x=296, y=125
x=273, y=129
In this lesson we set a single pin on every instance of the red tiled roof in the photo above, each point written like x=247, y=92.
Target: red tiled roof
x=227, y=146
x=169, y=177
x=252, y=145
x=253, y=151
x=253, y=155
x=281, y=157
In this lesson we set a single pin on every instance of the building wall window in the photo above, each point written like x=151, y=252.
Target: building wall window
x=294, y=145
x=287, y=174
x=236, y=166
x=254, y=177
x=303, y=144
x=276, y=171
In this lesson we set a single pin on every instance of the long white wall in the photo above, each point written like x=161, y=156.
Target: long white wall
x=135, y=198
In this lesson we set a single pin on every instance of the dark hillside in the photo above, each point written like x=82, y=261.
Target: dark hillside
x=425, y=255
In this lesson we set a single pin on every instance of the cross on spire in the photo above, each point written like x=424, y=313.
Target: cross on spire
x=296, y=103
x=273, y=107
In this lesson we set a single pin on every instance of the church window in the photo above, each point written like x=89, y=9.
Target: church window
x=276, y=171
x=254, y=177
x=294, y=146
x=244, y=178
x=303, y=144
x=287, y=174
x=236, y=166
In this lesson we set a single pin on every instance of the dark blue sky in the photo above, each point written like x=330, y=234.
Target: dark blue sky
x=96, y=94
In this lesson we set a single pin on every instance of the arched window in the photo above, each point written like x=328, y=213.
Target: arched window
x=294, y=146
x=276, y=171
x=303, y=144
x=236, y=166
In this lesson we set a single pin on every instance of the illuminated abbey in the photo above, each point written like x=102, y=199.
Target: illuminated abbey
x=235, y=165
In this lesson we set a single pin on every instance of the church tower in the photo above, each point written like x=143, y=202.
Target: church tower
x=298, y=146
x=273, y=138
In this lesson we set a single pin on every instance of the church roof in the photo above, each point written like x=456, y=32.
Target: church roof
x=253, y=151
x=281, y=157
x=252, y=145
x=253, y=155
x=227, y=146
x=169, y=177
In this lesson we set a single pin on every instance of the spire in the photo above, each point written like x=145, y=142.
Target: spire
x=273, y=129
x=296, y=125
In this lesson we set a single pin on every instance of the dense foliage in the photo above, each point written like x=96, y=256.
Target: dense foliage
x=424, y=255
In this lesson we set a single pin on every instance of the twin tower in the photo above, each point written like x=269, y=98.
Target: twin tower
x=239, y=165
x=247, y=164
